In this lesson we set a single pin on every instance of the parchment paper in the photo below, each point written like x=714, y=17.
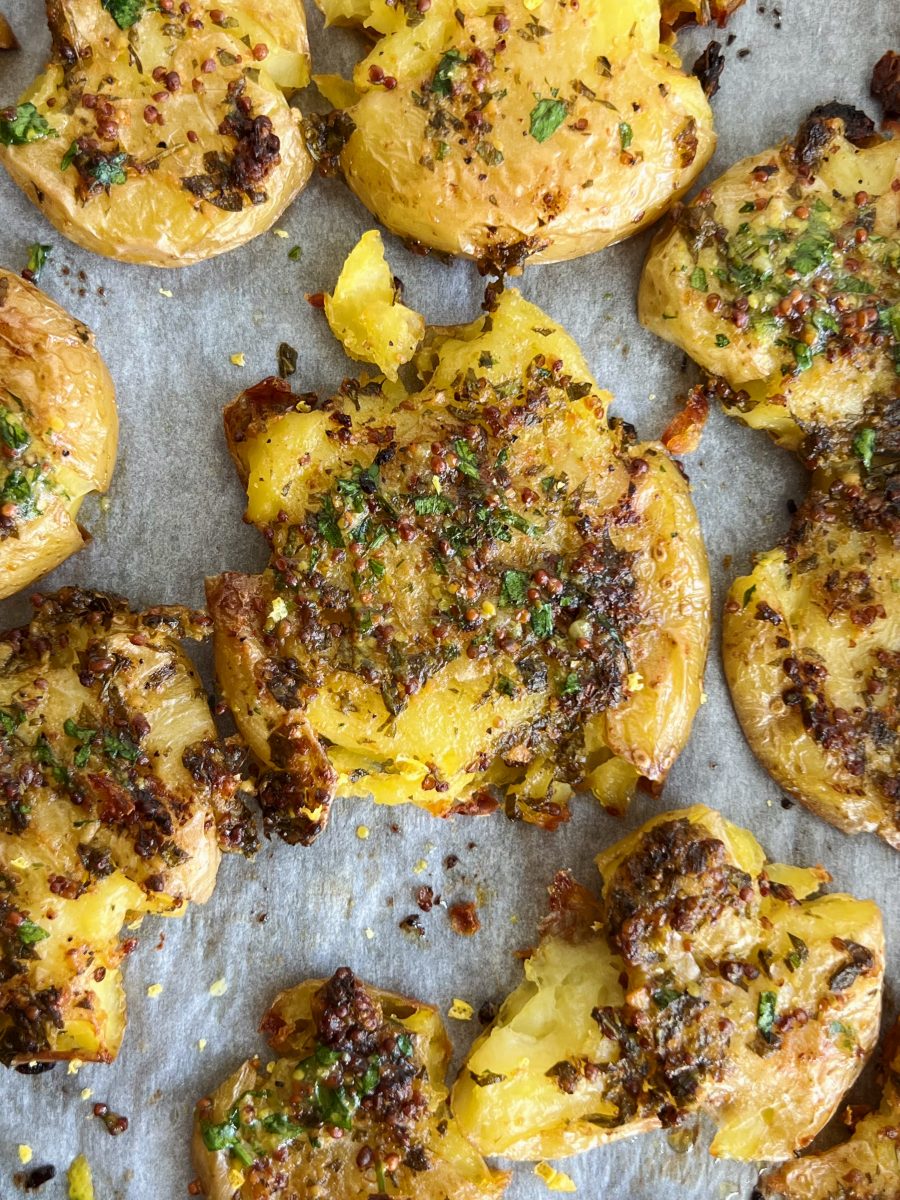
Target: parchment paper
x=175, y=516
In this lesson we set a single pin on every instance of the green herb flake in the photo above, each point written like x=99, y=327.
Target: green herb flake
x=327, y=524
x=505, y=686
x=698, y=279
x=546, y=118
x=109, y=169
x=115, y=746
x=665, y=996
x=12, y=435
x=864, y=446
x=21, y=125
x=125, y=13
x=571, y=685
x=29, y=933
x=513, y=588
x=748, y=595
x=748, y=206
x=765, y=1013
x=10, y=720
x=441, y=84
x=542, y=621
x=295, y=253
x=489, y=154
x=722, y=341
x=468, y=461
x=38, y=254
x=626, y=133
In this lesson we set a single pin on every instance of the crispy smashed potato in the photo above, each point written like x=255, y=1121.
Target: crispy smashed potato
x=163, y=137
x=810, y=644
x=365, y=313
x=480, y=591
x=866, y=1167
x=704, y=979
x=535, y=131
x=113, y=785
x=58, y=431
x=355, y=1105
x=783, y=277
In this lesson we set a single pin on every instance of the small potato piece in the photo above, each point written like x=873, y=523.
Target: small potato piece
x=163, y=137
x=58, y=431
x=8, y=40
x=356, y=1099
x=703, y=979
x=541, y=132
x=866, y=1167
x=810, y=644
x=782, y=278
x=676, y=13
x=365, y=313
x=113, y=784
x=482, y=591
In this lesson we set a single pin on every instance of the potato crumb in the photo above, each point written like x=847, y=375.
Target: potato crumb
x=81, y=1183
x=201, y=1045
x=362, y=832
x=219, y=988
x=239, y=360
x=556, y=1181
x=86, y=1093
x=21, y=864
x=420, y=866
x=165, y=292
x=75, y=1064
x=370, y=933
x=635, y=681
x=235, y=1178
x=461, y=1010
x=703, y=697
x=282, y=233
x=26, y=1154
x=155, y=989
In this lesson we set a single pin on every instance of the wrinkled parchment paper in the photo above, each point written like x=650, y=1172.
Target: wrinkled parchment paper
x=175, y=516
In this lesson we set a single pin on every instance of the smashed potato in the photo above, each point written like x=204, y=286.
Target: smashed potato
x=355, y=1106
x=365, y=313
x=535, y=131
x=482, y=590
x=783, y=278
x=58, y=431
x=159, y=134
x=705, y=979
x=113, y=785
x=810, y=644
x=866, y=1167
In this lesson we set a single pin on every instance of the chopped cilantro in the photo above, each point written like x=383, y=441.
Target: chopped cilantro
x=69, y=157
x=12, y=435
x=625, y=135
x=29, y=933
x=546, y=118
x=505, y=686
x=748, y=206
x=489, y=153
x=11, y=719
x=281, y=1124
x=295, y=253
x=109, y=169
x=765, y=1013
x=441, y=84
x=468, y=461
x=748, y=595
x=120, y=747
x=542, y=621
x=803, y=355
x=864, y=446
x=698, y=279
x=84, y=737
x=327, y=524
x=665, y=996
x=571, y=685
x=38, y=254
x=125, y=13
x=722, y=341
x=21, y=125
x=513, y=588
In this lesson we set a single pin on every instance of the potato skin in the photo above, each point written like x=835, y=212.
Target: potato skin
x=55, y=386
x=769, y=300
x=693, y=926
x=471, y=728
x=865, y=1167
x=202, y=195
x=117, y=794
x=434, y=1162
x=442, y=166
x=809, y=642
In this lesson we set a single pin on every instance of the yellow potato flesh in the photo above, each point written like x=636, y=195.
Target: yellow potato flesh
x=55, y=388
x=765, y=1105
x=364, y=313
x=634, y=133
x=151, y=217
x=454, y=725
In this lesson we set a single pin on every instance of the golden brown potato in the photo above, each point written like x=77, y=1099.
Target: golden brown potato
x=58, y=431
x=866, y=1167
x=676, y=13
x=810, y=643
x=355, y=1105
x=113, y=784
x=482, y=589
x=782, y=278
x=536, y=131
x=163, y=138
x=705, y=978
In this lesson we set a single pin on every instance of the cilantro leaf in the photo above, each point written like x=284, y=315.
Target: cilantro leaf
x=864, y=446
x=546, y=118
x=21, y=125
x=468, y=460
x=29, y=933
x=626, y=133
x=125, y=13
x=513, y=588
x=765, y=1013
x=37, y=256
x=441, y=84
x=542, y=621
x=12, y=435
x=698, y=279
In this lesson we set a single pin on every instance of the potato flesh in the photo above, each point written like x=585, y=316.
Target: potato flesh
x=366, y=316
x=452, y=727
x=547, y=1021
x=831, y=599
x=79, y=910
x=811, y=404
x=556, y=195
x=329, y=1171
x=56, y=390
x=866, y=1167
x=152, y=217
